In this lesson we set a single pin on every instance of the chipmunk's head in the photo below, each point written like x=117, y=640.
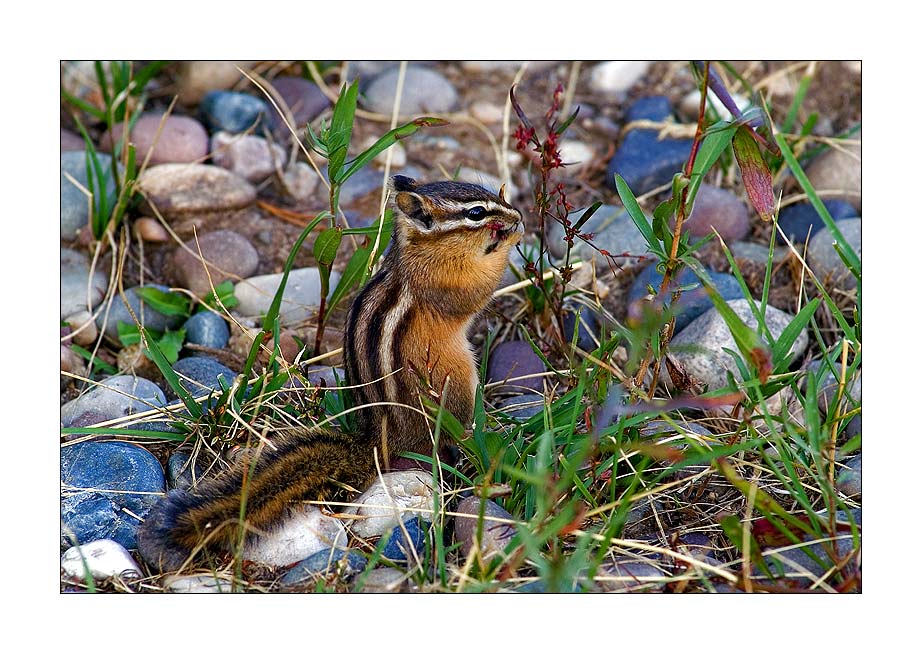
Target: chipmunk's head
x=460, y=215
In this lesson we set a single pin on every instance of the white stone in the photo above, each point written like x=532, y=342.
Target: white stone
x=301, y=181
x=487, y=112
x=617, y=76
x=251, y=157
x=104, y=558
x=299, y=302
x=576, y=155
x=83, y=326
x=392, y=499
x=305, y=531
x=204, y=583
x=689, y=104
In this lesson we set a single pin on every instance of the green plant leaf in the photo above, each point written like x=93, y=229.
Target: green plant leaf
x=338, y=136
x=326, y=246
x=793, y=329
x=358, y=266
x=128, y=333
x=637, y=215
x=171, y=343
x=223, y=292
x=716, y=139
x=154, y=353
x=383, y=143
x=166, y=302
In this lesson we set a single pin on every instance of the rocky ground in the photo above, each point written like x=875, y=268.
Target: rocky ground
x=224, y=177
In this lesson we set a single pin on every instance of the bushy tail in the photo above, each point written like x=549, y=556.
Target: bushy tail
x=303, y=466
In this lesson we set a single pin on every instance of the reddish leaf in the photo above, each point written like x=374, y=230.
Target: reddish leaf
x=757, y=178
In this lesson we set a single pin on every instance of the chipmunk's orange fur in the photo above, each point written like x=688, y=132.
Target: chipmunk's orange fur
x=406, y=335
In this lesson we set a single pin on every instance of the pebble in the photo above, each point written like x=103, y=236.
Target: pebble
x=643, y=160
x=198, y=584
x=300, y=181
x=407, y=544
x=196, y=78
x=495, y=534
x=839, y=171
x=486, y=112
x=181, y=139
x=230, y=111
x=304, y=99
x=586, y=329
x=200, y=374
x=526, y=405
x=71, y=142
x=402, y=494
x=148, y=229
x=89, y=515
x=692, y=303
x=797, y=565
x=118, y=311
x=576, y=155
x=328, y=376
x=691, y=101
x=300, y=300
x=825, y=262
x=800, y=220
x=305, y=531
x=177, y=189
x=83, y=326
x=718, y=209
x=425, y=91
x=699, y=347
x=756, y=253
x=207, y=329
x=612, y=230
x=848, y=480
x=103, y=558
x=366, y=70
x=182, y=472
x=624, y=575
x=512, y=359
x=115, y=397
x=617, y=77
x=230, y=256
x=251, y=157
x=346, y=563
x=75, y=212
x=382, y=580
x=77, y=285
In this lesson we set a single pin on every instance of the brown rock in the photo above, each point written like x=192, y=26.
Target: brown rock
x=180, y=140
x=178, y=189
x=229, y=256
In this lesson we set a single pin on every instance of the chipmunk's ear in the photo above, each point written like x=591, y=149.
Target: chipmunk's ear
x=502, y=193
x=414, y=207
x=402, y=183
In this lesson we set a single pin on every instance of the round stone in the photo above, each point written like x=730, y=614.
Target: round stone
x=200, y=375
x=115, y=397
x=229, y=111
x=301, y=181
x=836, y=173
x=512, y=359
x=117, y=311
x=848, y=480
x=492, y=538
x=612, y=231
x=176, y=189
x=407, y=543
x=614, y=77
x=304, y=531
x=826, y=263
x=75, y=213
x=800, y=220
x=525, y=406
x=207, y=329
x=251, y=157
x=103, y=558
x=425, y=91
x=196, y=78
x=719, y=210
x=486, y=112
x=346, y=563
x=174, y=139
x=80, y=290
x=227, y=256
x=71, y=141
x=300, y=299
x=581, y=322
x=108, y=487
x=391, y=499
x=575, y=155
x=303, y=98
x=84, y=328
x=148, y=229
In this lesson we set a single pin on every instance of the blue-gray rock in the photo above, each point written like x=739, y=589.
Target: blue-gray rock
x=182, y=471
x=643, y=160
x=407, y=544
x=515, y=359
x=612, y=230
x=118, y=311
x=623, y=575
x=756, y=253
x=230, y=111
x=526, y=405
x=328, y=376
x=692, y=303
x=848, y=480
x=718, y=209
x=801, y=219
x=853, y=428
x=131, y=472
x=77, y=285
x=74, y=207
x=425, y=91
x=497, y=532
x=581, y=320
x=115, y=397
x=199, y=375
x=207, y=329
x=347, y=562
x=305, y=100
x=825, y=262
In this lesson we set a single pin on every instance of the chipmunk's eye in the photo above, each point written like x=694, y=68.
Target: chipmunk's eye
x=475, y=213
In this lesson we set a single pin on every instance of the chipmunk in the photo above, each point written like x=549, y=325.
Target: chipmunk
x=406, y=333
